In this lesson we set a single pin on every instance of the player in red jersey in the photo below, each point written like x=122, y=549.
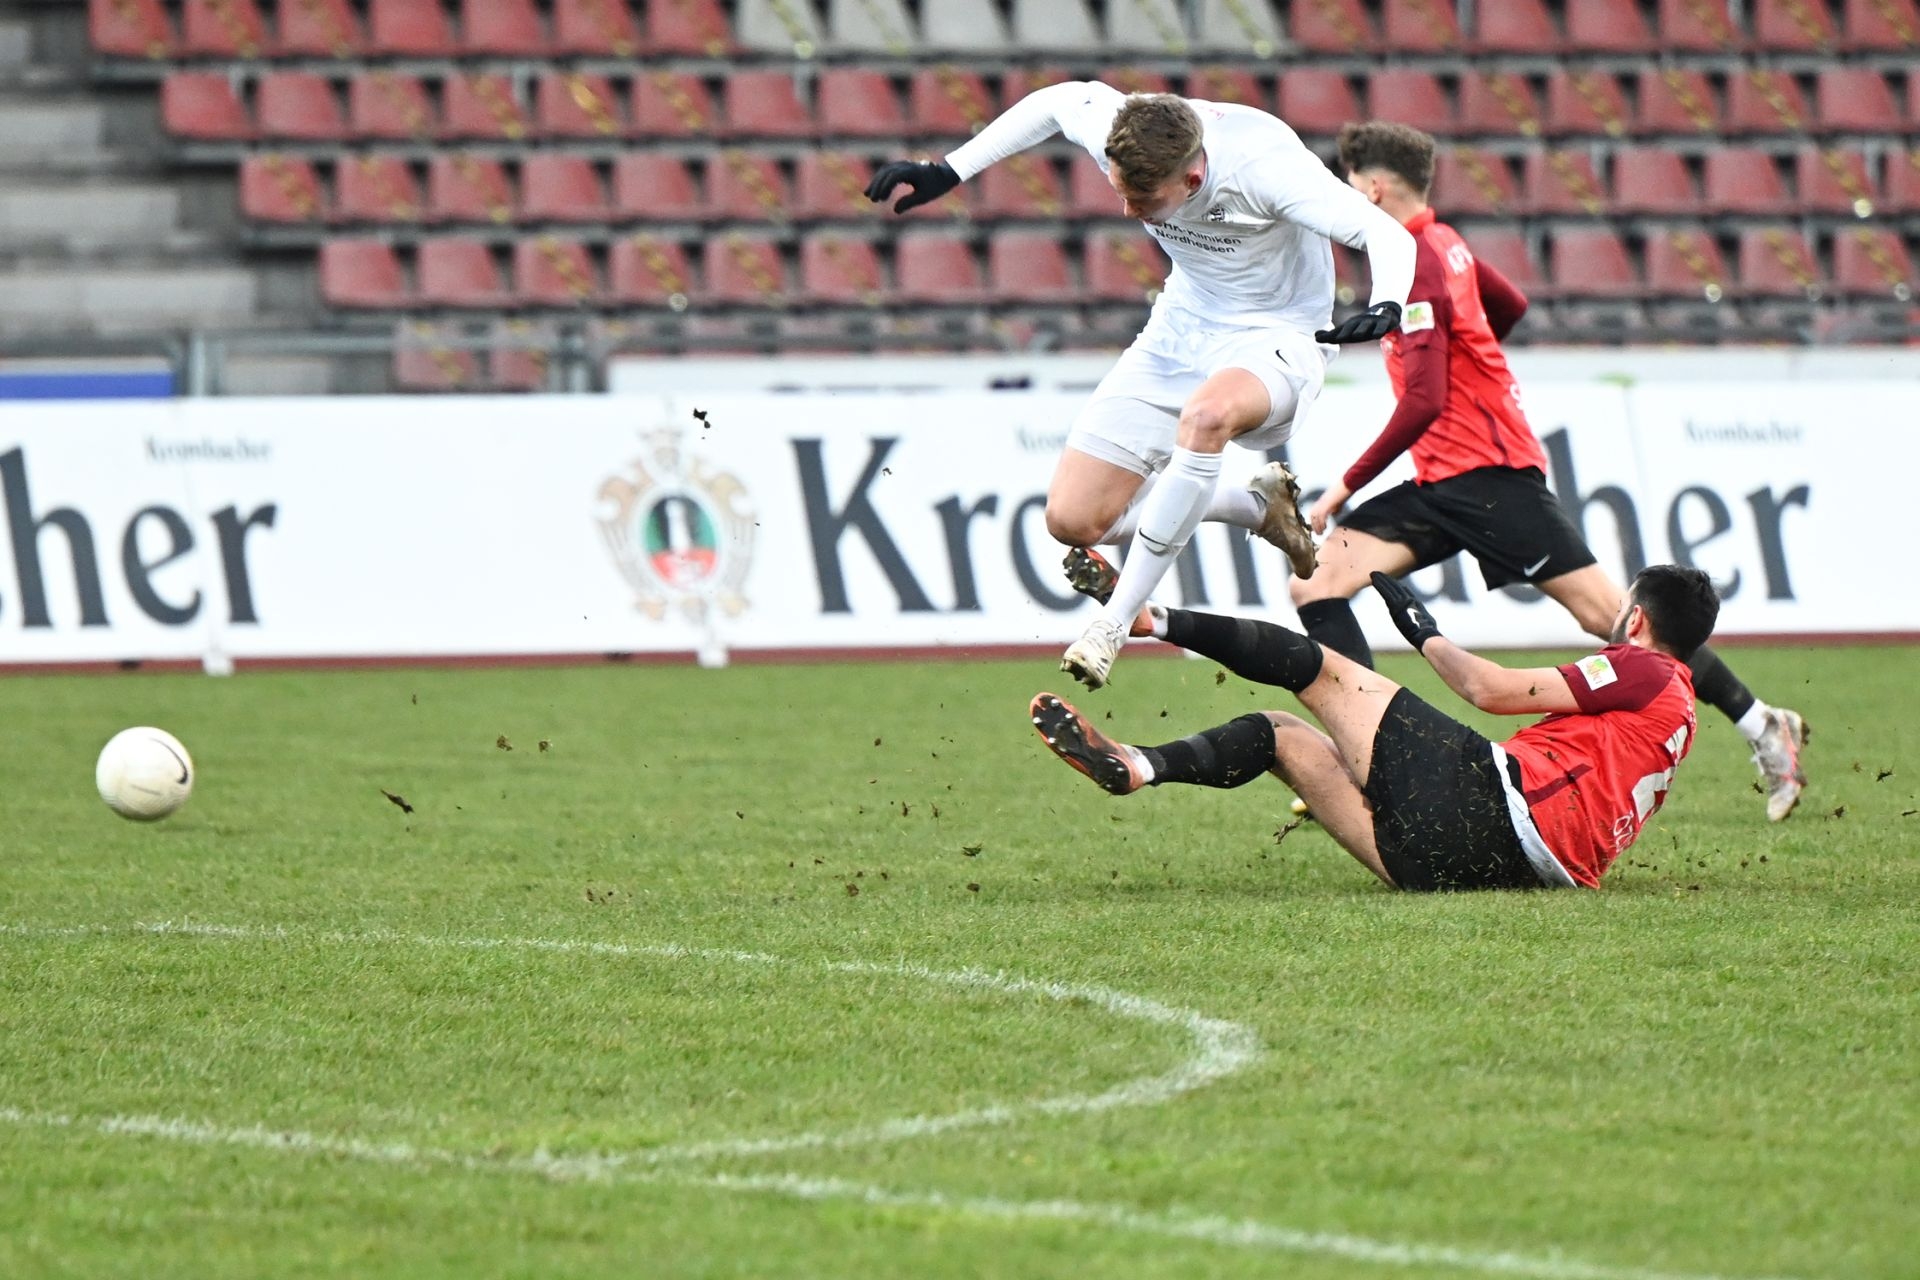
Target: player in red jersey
x=1479, y=473
x=1421, y=800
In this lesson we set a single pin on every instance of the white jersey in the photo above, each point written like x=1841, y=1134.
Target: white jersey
x=1250, y=247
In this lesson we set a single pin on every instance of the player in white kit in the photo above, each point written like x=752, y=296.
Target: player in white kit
x=1236, y=347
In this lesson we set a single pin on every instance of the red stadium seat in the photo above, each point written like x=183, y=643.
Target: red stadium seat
x=832, y=184
x=1421, y=26
x=841, y=269
x=1017, y=82
x=672, y=104
x=468, y=188
x=1029, y=266
x=1855, y=99
x=1585, y=102
x=277, y=188
x=1652, y=180
x=1607, y=26
x=1498, y=103
x=361, y=273
x=1872, y=262
x=1089, y=194
x=1123, y=267
x=746, y=269
x=1409, y=96
x=747, y=187
x=1332, y=26
x=1675, y=102
x=1592, y=262
x=409, y=29
x=202, y=106
x=1903, y=181
x=1683, y=264
x=557, y=187
x=430, y=357
x=129, y=29
x=299, y=105
x=595, y=29
x=1468, y=181
x=455, y=272
x=1697, y=26
x=1136, y=80
x=1793, y=26
x=1318, y=100
x=1505, y=249
x=377, y=188
x=573, y=104
x=222, y=29
x=384, y=104
x=765, y=104
x=1882, y=26
x=1744, y=180
x=517, y=355
x=319, y=29
x=1563, y=182
x=483, y=107
x=1516, y=26
x=1764, y=101
x=948, y=101
x=506, y=28
x=1227, y=84
x=857, y=103
x=1776, y=262
x=549, y=271
x=937, y=268
x=648, y=271
x=1021, y=186
x=697, y=27
x=647, y=184
x=1835, y=180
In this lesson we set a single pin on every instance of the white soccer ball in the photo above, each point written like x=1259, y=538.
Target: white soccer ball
x=144, y=774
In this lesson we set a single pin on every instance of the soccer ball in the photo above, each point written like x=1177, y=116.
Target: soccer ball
x=144, y=774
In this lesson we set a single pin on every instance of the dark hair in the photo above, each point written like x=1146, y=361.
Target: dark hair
x=1400, y=149
x=1681, y=605
x=1153, y=138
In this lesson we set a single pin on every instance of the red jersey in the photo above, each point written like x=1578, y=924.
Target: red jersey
x=1459, y=406
x=1592, y=778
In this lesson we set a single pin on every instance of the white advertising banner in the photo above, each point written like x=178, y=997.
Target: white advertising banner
x=343, y=528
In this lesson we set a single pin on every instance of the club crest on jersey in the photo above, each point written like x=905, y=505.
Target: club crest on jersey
x=679, y=530
x=1598, y=671
x=1217, y=214
x=1419, y=315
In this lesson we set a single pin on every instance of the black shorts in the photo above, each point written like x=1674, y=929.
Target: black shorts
x=1504, y=517
x=1440, y=816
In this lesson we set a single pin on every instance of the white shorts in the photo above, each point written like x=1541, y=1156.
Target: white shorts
x=1133, y=418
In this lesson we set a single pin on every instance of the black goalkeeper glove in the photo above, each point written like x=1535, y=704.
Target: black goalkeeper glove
x=929, y=179
x=1371, y=325
x=1408, y=614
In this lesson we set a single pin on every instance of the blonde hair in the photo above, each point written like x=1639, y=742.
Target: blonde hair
x=1155, y=136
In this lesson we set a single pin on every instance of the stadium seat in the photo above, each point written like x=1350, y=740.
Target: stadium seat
x=1652, y=180
x=1592, y=262
x=1607, y=27
x=299, y=105
x=1515, y=26
x=1021, y=186
x=1237, y=28
x=778, y=28
x=468, y=188
x=573, y=104
x=1675, y=101
x=130, y=29
x=318, y=29
x=430, y=357
x=948, y=101
x=361, y=273
x=696, y=27
x=1017, y=82
x=517, y=355
x=376, y=188
x=1089, y=194
x=1421, y=26
x=1776, y=262
x=1352, y=276
x=1881, y=26
x=964, y=26
x=595, y=29
x=1697, y=26
x=646, y=270
x=482, y=107
x=672, y=104
x=1744, y=180
x=1585, y=102
x=1227, y=84
x=1504, y=248
x=1498, y=104
x=870, y=27
x=386, y=104
x=1136, y=80
x=1468, y=181
x=277, y=188
x=1123, y=267
x=1855, y=99
x=221, y=29
x=1031, y=267
x=1764, y=101
x=409, y=29
x=935, y=267
x=1332, y=26
x=859, y=103
x=457, y=272
x=1686, y=263
x=551, y=271
x=1318, y=100
x=832, y=184
x=1054, y=26
x=501, y=28
x=657, y=187
x=842, y=270
x=1409, y=96
x=558, y=187
x=1792, y=26
x=1903, y=181
x=1147, y=27
x=1835, y=180
x=202, y=106
x=746, y=269
x=1872, y=262
x=747, y=187
x=765, y=104
x=1562, y=182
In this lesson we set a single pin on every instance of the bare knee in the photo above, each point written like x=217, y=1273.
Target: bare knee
x=1076, y=528
x=1206, y=425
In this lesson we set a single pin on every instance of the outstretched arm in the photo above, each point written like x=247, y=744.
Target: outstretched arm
x=1081, y=109
x=1487, y=685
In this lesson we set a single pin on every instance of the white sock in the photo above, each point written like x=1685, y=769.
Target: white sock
x=1754, y=723
x=1167, y=519
x=1157, y=615
x=1232, y=504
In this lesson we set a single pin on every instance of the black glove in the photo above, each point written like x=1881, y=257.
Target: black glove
x=1408, y=614
x=1371, y=325
x=929, y=180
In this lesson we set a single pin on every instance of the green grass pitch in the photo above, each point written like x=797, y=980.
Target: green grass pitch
x=820, y=1039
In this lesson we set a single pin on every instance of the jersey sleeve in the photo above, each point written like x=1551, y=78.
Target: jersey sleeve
x=1501, y=297
x=1083, y=110
x=1621, y=677
x=1423, y=343
x=1291, y=183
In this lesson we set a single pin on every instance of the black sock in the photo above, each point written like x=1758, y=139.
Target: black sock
x=1332, y=623
x=1251, y=649
x=1229, y=755
x=1715, y=684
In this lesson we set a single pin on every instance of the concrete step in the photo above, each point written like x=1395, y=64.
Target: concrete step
x=16, y=42
x=83, y=214
x=125, y=299
x=36, y=128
